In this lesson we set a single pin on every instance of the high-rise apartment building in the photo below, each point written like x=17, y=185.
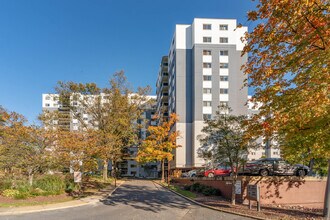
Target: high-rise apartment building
x=204, y=64
x=162, y=90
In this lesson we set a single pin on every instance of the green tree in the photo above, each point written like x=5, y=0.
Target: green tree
x=225, y=141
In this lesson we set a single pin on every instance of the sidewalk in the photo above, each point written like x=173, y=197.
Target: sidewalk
x=90, y=200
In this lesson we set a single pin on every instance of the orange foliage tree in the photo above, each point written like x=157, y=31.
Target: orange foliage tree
x=289, y=68
x=160, y=143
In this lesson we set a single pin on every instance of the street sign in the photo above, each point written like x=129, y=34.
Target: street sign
x=238, y=187
x=77, y=177
x=253, y=193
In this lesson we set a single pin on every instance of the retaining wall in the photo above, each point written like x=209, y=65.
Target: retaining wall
x=286, y=191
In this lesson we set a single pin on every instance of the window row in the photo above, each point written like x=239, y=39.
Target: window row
x=222, y=65
x=209, y=103
x=222, y=52
x=222, y=78
x=222, y=27
x=222, y=40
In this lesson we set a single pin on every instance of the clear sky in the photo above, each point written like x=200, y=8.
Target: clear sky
x=44, y=41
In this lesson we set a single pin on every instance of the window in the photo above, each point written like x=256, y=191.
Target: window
x=207, y=91
x=223, y=52
x=253, y=153
x=165, y=104
x=207, y=78
x=85, y=119
x=205, y=103
x=223, y=91
x=47, y=104
x=207, y=65
x=165, y=74
x=223, y=27
x=223, y=65
x=165, y=94
x=206, y=52
x=223, y=39
x=206, y=117
x=165, y=84
x=223, y=78
x=223, y=103
x=207, y=39
x=47, y=98
x=207, y=26
x=133, y=165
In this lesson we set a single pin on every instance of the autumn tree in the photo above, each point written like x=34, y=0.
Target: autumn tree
x=110, y=111
x=160, y=143
x=224, y=140
x=289, y=68
x=24, y=147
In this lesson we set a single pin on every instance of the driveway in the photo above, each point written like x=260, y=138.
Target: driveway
x=135, y=199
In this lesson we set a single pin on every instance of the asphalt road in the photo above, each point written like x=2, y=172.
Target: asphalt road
x=136, y=199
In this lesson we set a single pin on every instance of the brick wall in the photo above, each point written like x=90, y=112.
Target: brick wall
x=273, y=190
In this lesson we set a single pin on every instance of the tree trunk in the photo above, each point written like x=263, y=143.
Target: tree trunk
x=115, y=172
x=233, y=190
x=105, y=170
x=163, y=171
x=168, y=172
x=30, y=178
x=326, y=209
x=311, y=166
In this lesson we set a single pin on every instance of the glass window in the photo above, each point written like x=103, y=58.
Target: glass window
x=206, y=117
x=223, y=27
x=47, y=98
x=206, y=52
x=223, y=78
x=207, y=39
x=207, y=65
x=207, y=103
x=223, y=52
x=223, y=91
x=207, y=26
x=207, y=78
x=223, y=39
x=207, y=91
x=223, y=65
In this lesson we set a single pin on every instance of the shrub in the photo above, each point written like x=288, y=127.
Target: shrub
x=210, y=191
x=10, y=193
x=187, y=187
x=5, y=183
x=197, y=187
x=50, y=184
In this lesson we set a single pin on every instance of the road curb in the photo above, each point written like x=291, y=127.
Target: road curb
x=209, y=207
x=83, y=202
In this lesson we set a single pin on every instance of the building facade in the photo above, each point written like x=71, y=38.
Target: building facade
x=204, y=64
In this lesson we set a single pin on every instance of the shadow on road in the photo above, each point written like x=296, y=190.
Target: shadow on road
x=146, y=196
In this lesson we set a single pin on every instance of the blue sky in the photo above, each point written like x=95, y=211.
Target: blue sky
x=44, y=41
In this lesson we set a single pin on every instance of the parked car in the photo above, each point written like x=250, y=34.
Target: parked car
x=191, y=173
x=220, y=170
x=274, y=166
x=200, y=172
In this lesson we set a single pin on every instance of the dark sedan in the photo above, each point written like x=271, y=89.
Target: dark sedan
x=274, y=166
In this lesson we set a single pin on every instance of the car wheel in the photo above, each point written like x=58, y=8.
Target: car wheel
x=263, y=172
x=210, y=175
x=301, y=173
